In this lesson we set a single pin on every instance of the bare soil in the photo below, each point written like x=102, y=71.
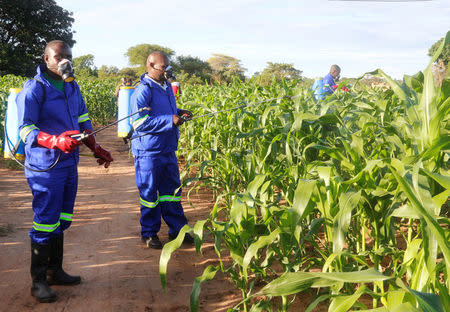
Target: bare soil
x=103, y=246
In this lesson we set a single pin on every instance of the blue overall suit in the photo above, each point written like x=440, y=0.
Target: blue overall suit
x=328, y=83
x=156, y=166
x=54, y=191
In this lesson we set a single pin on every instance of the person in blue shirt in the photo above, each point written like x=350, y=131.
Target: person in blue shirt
x=51, y=110
x=156, y=165
x=329, y=81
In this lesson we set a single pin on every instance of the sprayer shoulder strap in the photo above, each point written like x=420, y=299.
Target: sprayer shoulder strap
x=151, y=94
x=44, y=94
x=130, y=133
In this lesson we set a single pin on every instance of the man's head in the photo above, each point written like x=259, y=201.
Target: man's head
x=335, y=71
x=157, y=62
x=55, y=52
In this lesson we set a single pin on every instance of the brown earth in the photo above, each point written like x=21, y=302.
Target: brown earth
x=103, y=246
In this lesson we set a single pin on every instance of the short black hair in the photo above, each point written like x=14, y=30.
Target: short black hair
x=335, y=67
x=53, y=43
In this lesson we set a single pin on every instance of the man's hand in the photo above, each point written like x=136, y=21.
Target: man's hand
x=185, y=113
x=99, y=152
x=104, y=157
x=63, y=141
x=177, y=121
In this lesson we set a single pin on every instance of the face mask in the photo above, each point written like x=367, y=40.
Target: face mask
x=168, y=74
x=66, y=71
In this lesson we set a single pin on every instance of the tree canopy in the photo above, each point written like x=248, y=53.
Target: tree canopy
x=192, y=66
x=279, y=71
x=138, y=54
x=107, y=71
x=445, y=55
x=25, y=28
x=225, y=67
x=84, y=66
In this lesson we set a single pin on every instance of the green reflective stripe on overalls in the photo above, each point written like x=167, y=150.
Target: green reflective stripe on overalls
x=45, y=227
x=66, y=216
x=83, y=118
x=26, y=131
x=149, y=204
x=139, y=121
x=166, y=198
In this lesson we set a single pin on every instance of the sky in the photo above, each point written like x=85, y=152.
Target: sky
x=359, y=36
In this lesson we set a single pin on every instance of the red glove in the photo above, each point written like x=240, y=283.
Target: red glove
x=99, y=152
x=63, y=141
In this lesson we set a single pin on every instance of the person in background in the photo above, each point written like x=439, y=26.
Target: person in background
x=51, y=110
x=329, y=81
x=156, y=165
x=124, y=82
x=176, y=88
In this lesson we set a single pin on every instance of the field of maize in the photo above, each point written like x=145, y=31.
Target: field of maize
x=347, y=198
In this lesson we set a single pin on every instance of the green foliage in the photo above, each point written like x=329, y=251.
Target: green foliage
x=444, y=56
x=192, y=68
x=26, y=27
x=277, y=72
x=84, y=66
x=100, y=100
x=324, y=195
x=108, y=72
x=133, y=73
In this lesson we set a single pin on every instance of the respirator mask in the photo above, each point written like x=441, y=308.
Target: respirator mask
x=168, y=74
x=337, y=77
x=65, y=70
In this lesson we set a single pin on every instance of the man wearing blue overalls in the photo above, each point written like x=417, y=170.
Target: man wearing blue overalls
x=329, y=81
x=156, y=166
x=51, y=110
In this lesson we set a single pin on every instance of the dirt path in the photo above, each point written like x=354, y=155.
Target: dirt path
x=103, y=246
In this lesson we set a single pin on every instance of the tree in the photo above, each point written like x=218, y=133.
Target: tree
x=442, y=66
x=279, y=71
x=445, y=55
x=107, y=72
x=226, y=67
x=25, y=28
x=84, y=66
x=187, y=79
x=191, y=66
x=137, y=55
x=129, y=72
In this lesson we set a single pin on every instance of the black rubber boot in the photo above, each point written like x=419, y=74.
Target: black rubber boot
x=153, y=242
x=39, y=262
x=55, y=272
